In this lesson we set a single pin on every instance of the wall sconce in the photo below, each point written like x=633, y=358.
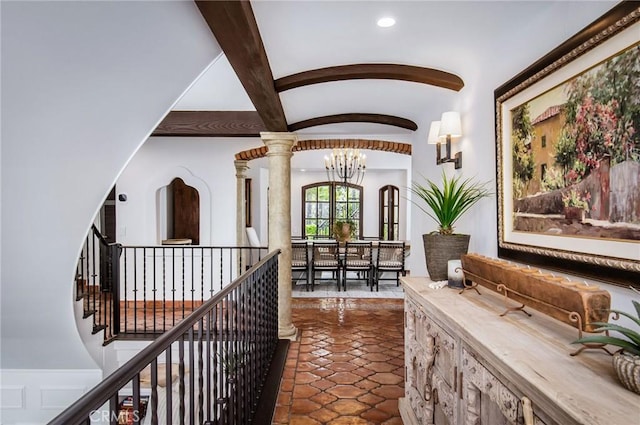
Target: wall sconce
x=449, y=126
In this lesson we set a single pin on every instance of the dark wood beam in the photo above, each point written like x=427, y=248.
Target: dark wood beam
x=234, y=27
x=355, y=117
x=384, y=71
x=211, y=124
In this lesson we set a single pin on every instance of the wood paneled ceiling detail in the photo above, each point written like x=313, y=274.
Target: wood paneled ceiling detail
x=211, y=124
x=234, y=27
x=355, y=117
x=306, y=145
x=384, y=71
x=249, y=123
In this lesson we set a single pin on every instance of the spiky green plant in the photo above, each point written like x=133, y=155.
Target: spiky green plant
x=446, y=204
x=631, y=345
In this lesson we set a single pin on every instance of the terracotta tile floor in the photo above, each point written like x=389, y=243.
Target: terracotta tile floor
x=347, y=367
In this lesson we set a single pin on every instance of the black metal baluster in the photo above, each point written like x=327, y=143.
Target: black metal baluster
x=183, y=300
x=208, y=368
x=211, y=270
x=173, y=287
x=116, y=250
x=200, y=374
x=216, y=362
x=169, y=385
x=153, y=404
x=192, y=372
x=164, y=290
x=93, y=284
x=135, y=291
x=114, y=409
x=154, y=290
x=136, y=399
x=144, y=288
x=181, y=378
x=201, y=274
x=221, y=271
x=193, y=282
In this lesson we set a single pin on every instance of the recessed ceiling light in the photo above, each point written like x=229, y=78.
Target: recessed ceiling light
x=386, y=22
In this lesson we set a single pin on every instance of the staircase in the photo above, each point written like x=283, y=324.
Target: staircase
x=95, y=274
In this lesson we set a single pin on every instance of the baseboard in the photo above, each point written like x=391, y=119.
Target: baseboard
x=37, y=395
x=267, y=402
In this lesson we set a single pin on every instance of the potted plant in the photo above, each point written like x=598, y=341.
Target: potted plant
x=445, y=205
x=344, y=229
x=575, y=205
x=626, y=361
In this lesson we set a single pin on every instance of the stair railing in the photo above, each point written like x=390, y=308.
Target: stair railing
x=224, y=350
x=142, y=291
x=161, y=285
x=97, y=277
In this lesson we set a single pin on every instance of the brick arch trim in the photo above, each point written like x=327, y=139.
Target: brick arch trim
x=307, y=145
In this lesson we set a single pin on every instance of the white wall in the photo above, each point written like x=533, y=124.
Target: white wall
x=487, y=69
x=83, y=84
x=202, y=162
x=207, y=164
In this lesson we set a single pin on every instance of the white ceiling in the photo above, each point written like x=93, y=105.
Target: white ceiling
x=472, y=39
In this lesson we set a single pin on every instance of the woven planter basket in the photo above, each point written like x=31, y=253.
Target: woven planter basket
x=627, y=368
x=439, y=249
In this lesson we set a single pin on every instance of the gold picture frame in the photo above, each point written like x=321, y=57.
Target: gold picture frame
x=562, y=140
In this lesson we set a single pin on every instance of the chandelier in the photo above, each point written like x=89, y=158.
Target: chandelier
x=345, y=165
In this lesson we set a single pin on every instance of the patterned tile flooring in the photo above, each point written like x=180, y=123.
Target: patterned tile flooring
x=347, y=367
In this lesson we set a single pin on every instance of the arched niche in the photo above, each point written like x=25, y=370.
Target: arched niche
x=179, y=211
x=158, y=194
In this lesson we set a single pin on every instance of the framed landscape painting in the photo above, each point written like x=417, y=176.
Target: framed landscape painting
x=568, y=154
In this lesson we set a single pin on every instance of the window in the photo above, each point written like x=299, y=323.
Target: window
x=543, y=171
x=543, y=141
x=389, y=207
x=326, y=202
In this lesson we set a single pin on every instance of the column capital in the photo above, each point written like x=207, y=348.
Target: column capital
x=241, y=168
x=279, y=142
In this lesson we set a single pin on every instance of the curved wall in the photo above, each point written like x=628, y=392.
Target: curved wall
x=83, y=85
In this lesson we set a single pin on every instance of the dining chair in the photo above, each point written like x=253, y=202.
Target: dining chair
x=390, y=258
x=325, y=257
x=300, y=261
x=358, y=258
x=254, y=244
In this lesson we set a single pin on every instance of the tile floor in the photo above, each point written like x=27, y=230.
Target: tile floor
x=347, y=366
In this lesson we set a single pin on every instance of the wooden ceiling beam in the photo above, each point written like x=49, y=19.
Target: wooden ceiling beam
x=234, y=27
x=211, y=124
x=384, y=71
x=355, y=117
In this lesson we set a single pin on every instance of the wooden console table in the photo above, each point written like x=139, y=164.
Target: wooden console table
x=467, y=365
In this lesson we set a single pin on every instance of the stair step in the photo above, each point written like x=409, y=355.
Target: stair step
x=98, y=328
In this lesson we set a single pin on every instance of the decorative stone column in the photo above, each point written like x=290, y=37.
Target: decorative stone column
x=241, y=206
x=279, y=155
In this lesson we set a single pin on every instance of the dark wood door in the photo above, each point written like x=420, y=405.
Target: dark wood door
x=186, y=211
